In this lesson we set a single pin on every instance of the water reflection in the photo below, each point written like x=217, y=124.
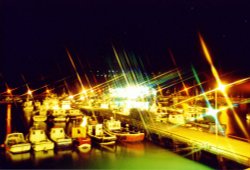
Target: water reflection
x=18, y=157
x=122, y=156
x=136, y=149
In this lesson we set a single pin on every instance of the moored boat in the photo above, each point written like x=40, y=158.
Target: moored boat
x=99, y=136
x=28, y=106
x=57, y=135
x=123, y=134
x=80, y=140
x=15, y=143
x=39, y=118
x=39, y=140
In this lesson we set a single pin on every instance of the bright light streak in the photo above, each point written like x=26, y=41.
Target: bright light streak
x=202, y=90
x=74, y=66
x=221, y=87
x=218, y=80
x=178, y=71
x=29, y=92
x=120, y=64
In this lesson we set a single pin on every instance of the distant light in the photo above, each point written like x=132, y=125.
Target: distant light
x=47, y=91
x=29, y=92
x=8, y=91
x=71, y=97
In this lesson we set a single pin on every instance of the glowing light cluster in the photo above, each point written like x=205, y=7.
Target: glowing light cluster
x=132, y=92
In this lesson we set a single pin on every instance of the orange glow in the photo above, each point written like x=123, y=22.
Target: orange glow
x=8, y=91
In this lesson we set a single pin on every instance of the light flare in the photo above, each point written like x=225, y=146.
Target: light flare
x=219, y=82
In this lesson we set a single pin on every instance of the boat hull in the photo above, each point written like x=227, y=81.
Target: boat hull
x=138, y=137
x=43, y=146
x=19, y=148
x=83, y=144
x=63, y=143
x=39, y=118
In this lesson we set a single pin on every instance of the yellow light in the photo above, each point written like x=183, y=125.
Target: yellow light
x=83, y=91
x=8, y=91
x=29, y=92
x=221, y=87
x=71, y=97
x=47, y=91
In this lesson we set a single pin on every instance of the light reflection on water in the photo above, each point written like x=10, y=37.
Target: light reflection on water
x=146, y=156
x=124, y=156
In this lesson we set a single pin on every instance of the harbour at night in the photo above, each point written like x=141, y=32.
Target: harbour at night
x=135, y=85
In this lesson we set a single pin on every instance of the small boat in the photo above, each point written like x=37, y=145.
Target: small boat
x=15, y=143
x=39, y=140
x=123, y=134
x=28, y=106
x=57, y=135
x=39, y=115
x=39, y=118
x=80, y=139
x=99, y=136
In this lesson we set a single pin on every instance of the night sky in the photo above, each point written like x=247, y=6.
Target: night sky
x=35, y=35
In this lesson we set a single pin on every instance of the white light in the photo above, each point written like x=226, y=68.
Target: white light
x=212, y=112
x=221, y=87
x=132, y=92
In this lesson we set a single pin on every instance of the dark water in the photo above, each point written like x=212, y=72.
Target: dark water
x=144, y=155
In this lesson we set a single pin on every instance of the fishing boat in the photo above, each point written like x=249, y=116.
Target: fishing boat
x=123, y=134
x=80, y=139
x=39, y=140
x=57, y=135
x=99, y=136
x=40, y=115
x=15, y=143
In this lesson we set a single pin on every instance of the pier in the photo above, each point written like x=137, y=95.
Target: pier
x=222, y=146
